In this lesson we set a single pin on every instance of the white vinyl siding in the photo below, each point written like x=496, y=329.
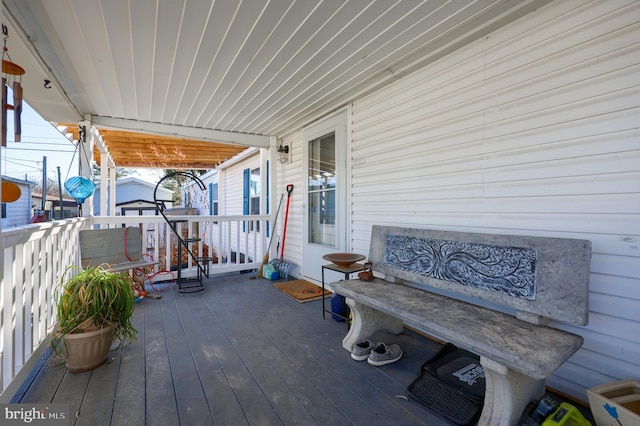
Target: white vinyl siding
x=292, y=173
x=231, y=201
x=131, y=189
x=19, y=212
x=532, y=130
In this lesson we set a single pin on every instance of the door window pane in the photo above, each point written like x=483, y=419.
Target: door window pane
x=322, y=190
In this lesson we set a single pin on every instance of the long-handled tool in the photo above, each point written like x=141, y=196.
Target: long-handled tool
x=265, y=259
x=286, y=219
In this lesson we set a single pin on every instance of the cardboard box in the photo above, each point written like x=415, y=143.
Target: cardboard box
x=616, y=403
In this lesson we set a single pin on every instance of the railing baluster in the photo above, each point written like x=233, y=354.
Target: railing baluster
x=35, y=257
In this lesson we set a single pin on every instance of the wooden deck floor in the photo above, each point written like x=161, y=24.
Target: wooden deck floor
x=240, y=352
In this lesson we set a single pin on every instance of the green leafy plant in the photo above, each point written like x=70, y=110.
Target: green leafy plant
x=93, y=298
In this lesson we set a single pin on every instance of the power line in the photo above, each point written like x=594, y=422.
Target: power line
x=20, y=159
x=22, y=142
x=36, y=149
x=23, y=165
x=38, y=135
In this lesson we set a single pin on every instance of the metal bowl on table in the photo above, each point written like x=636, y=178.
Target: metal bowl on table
x=344, y=260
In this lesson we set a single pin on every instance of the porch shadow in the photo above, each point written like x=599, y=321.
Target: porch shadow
x=241, y=352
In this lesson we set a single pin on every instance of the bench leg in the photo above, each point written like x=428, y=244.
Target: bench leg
x=508, y=393
x=367, y=321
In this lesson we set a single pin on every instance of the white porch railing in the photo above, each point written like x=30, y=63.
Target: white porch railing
x=233, y=242
x=35, y=257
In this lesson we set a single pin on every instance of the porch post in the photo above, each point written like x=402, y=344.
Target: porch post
x=112, y=191
x=270, y=154
x=85, y=159
x=104, y=184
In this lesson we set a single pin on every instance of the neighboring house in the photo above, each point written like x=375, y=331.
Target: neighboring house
x=531, y=130
x=36, y=201
x=17, y=213
x=69, y=207
x=134, y=197
x=233, y=189
x=138, y=208
x=52, y=205
x=210, y=204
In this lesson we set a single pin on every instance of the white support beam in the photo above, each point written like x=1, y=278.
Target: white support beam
x=271, y=154
x=194, y=133
x=86, y=139
x=107, y=169
x=267, y=169
x=112, y=191
x=102, y=147
x=104, y=185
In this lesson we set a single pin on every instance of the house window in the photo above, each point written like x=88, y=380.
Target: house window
x=213, y=199
x=254, y=196
x=255, y=191
x=251, y=202
x=4, y=210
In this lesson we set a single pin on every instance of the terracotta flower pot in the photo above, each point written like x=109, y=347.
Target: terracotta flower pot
x=88, y=350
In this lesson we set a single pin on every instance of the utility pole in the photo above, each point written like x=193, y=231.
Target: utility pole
x=44, y=182
x=60, y=189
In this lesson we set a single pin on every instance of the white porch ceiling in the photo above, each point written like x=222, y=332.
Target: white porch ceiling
x=244, y=67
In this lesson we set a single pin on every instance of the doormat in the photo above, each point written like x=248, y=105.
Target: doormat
x=301, y=290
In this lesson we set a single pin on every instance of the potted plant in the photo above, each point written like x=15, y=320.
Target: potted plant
x=94, y=308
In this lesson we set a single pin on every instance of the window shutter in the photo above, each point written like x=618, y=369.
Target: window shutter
x=245, y=195
x=210, y=199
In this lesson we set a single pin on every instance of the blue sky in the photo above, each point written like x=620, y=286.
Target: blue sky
x=24, y=159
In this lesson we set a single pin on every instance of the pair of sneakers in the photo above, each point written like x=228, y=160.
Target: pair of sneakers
x=376, y=355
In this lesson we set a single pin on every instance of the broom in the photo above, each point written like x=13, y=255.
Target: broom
x=265, y=259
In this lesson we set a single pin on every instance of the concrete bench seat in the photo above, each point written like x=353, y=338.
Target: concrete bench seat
x=531, y=349
x=120, y=248
x=490, y=294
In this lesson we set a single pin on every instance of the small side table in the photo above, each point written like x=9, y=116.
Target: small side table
x=347, y=271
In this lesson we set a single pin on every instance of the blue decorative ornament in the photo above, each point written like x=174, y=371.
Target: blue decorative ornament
x=79, y=188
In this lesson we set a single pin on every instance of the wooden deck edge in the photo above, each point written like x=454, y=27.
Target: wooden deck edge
x=21, y=383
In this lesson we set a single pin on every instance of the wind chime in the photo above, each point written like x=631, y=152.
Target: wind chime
x=11, y=75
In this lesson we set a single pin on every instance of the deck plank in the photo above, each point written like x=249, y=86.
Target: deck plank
x=241, y=352
x=223, y=401
x=255, y=405
x=190, y=397
x=337, y=368
x=129, y=400
x=96, y=408
x=45, y=382
x=160, y=403
x=273, y=370
x=295, y=360
x=71, y=388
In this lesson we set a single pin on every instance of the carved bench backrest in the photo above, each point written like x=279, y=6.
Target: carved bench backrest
x=539, y=277
x=99, y=246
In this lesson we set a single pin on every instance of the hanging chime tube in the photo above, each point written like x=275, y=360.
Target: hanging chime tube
x=17, y=110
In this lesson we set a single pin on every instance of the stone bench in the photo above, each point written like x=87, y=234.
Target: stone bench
x=490, y=294
x=120, y=248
